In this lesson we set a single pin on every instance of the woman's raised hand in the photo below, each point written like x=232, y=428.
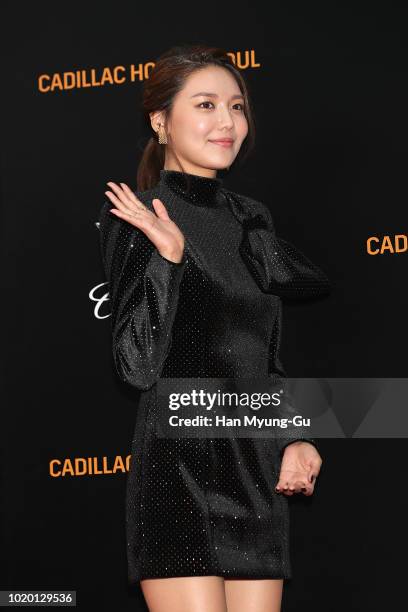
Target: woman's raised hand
x=159, y=228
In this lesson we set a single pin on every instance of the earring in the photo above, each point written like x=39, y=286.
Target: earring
x=162, y=135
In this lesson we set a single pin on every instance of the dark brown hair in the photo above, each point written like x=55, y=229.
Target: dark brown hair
x=168, y=78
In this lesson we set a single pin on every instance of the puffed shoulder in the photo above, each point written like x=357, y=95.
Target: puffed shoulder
x=277, y=266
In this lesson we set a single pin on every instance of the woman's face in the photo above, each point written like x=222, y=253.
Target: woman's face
x=210, y=107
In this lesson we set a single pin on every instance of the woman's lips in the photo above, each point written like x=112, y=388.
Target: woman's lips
x=222, y=143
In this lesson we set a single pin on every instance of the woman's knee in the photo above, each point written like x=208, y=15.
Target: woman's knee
x=255, y=595
x=185, y=594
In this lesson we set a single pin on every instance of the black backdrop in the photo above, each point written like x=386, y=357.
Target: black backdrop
x=329, y=84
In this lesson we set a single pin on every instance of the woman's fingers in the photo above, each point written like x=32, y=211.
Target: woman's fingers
x=134, y=219
x=290, y=489
x=116, y=201
x=290, y=483
x=137, y=219
x=308, y=490
x=124, y=198
x=160, y=209
x=131, y=196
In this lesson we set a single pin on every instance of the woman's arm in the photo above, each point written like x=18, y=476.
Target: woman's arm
x=144, y=292
x=277, y=370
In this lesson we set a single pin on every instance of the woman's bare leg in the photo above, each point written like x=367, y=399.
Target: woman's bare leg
x=253, y=595
x=185, y=594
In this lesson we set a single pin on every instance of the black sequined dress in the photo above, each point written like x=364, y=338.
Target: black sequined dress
x=202, y=506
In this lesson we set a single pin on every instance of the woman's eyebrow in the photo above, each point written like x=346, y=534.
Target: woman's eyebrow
x=214, y=95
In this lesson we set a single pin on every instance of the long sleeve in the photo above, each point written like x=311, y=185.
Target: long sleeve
x=277, y=371
x=144, y=293
x=278, y=266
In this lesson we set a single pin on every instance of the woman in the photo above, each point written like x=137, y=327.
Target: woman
x=197, y=276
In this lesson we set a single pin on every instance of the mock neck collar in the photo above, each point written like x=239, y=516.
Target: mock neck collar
x=194, y=188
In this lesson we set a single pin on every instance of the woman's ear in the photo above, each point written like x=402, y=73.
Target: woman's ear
x=156, y=118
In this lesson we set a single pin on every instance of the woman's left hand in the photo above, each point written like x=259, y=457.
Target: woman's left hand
x=300, y=466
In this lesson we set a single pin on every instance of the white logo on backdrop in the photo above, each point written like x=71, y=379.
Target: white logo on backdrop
x=98, y=295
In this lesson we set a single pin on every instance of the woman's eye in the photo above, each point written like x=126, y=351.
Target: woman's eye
x=207, y=102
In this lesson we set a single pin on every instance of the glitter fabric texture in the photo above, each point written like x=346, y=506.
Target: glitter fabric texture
x=202, y=506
